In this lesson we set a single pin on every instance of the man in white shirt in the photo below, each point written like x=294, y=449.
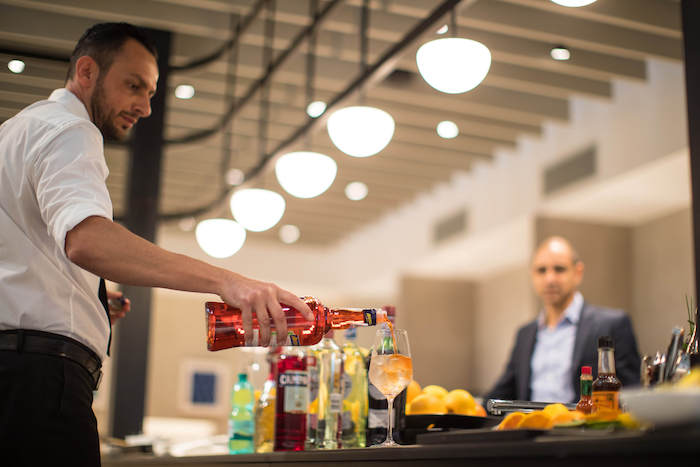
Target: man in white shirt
x=548, y=354
x=58, y=239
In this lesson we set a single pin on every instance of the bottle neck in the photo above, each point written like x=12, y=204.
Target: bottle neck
x=586, y=386
x=606, y=361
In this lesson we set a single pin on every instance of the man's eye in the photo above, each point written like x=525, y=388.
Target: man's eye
x=559, y=269
x=541, y=270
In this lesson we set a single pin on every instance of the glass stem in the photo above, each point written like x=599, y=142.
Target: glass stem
x=390, y=432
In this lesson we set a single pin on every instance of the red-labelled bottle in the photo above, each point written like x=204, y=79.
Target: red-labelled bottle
x=292, y=401
x=225, y=326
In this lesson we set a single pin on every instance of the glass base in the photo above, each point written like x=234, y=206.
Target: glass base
x=388, y=443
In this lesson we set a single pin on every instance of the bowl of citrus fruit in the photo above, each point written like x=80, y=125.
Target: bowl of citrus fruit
x=434, y=407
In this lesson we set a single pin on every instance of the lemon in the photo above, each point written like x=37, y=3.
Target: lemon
x=460, y=402
x=427, y=404
x=511, y=421
x=412, y=391
x=435, y=390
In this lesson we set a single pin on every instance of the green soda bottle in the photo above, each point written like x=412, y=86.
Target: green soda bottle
x=241, y=423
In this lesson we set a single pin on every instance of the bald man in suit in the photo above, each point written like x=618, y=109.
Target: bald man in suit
x=546, y=360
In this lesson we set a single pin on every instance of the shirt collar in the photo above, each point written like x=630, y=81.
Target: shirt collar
x=572, y=314
x=71, y=102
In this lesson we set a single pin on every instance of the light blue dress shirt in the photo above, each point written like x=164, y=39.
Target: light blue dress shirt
x=550, y=365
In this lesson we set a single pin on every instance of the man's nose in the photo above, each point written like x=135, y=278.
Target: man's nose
x=143, y=107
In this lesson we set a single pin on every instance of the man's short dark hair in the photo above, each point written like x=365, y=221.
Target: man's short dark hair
x=102, y=42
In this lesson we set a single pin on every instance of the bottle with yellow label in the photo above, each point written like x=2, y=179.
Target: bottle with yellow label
x=606, y=387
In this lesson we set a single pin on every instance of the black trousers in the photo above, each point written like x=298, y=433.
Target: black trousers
x=46, y=415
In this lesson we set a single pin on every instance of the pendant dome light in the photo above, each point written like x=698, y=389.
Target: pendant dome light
x=361, y=131
x=220, y=238
x=453, y=65
x=256, y=209
x=305, y=174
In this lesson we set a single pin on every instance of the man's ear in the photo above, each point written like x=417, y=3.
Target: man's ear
x=86, y=72
x=578, y=269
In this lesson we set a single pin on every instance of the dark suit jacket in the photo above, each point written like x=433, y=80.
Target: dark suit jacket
x=594, y=322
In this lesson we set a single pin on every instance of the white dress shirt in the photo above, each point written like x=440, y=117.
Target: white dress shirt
x=551, y=359
x=52, y=176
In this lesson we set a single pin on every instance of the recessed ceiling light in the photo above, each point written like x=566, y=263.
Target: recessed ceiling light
x=289, y=233
x=447, y=129
x=234, y=177
x=573, y=3
x=356, y=191
x=184, y=91
x=560, y=53
x=443, y=29
x=187, y=224
x=315, y=109
x=16, y=66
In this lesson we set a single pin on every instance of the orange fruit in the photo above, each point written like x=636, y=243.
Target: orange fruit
x=537, y=420
x=412, y=391
x=427, y=404
x=435, y=390
x=460, y=402
x=479, y=411
x=511, y=421
x=563, y=417
x=555, y=409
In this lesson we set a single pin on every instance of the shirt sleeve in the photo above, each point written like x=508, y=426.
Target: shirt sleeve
x=69, y=177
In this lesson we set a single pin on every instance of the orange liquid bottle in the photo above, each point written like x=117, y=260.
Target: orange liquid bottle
x=606, y=387
x=225, y=325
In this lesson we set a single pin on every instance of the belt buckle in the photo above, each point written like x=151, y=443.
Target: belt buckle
x=98, y=380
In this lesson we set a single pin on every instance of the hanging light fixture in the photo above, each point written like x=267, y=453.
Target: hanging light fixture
x=573, y=3
x=256, y=209
x=305, y=174
x=453, y=65
x=361, y=131
x=220, y=238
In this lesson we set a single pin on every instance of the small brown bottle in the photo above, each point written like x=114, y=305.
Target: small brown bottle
x=606, y=387
x=585, y=404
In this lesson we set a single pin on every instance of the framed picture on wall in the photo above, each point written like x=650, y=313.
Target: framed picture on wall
x=203, y=387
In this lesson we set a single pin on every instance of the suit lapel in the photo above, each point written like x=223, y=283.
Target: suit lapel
x=584, y=328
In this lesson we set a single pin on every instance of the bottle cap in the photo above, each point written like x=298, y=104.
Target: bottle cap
x=605, y=342
x=586, y=370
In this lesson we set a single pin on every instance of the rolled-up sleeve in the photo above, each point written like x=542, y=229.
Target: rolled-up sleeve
x=69, y=176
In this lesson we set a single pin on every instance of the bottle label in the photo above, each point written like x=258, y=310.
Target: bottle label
x=346, y=385
x=336, y=402
x=606, y=400
x=296, y=391
x=292, y=338
x=370, y=315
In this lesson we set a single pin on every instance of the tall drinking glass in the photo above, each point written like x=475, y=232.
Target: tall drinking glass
x=390, y=370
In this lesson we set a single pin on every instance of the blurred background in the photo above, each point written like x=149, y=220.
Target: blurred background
x=578, y=129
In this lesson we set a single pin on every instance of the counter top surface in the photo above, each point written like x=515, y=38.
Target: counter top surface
x=625, y=448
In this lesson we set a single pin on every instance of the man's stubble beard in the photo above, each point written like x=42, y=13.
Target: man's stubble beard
x=101, y=116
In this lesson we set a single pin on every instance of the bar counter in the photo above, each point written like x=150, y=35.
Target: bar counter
x=613, y=449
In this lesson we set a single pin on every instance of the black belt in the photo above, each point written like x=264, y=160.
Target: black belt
x=46, y=343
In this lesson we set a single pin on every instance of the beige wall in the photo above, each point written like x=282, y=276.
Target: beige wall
x=504, y=302
x=439, y=315
x=663, y=275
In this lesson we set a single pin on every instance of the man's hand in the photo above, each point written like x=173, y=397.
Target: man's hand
x=262, y=298
x=118, y=305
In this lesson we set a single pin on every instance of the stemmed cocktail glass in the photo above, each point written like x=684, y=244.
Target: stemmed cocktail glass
x=390, y=369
